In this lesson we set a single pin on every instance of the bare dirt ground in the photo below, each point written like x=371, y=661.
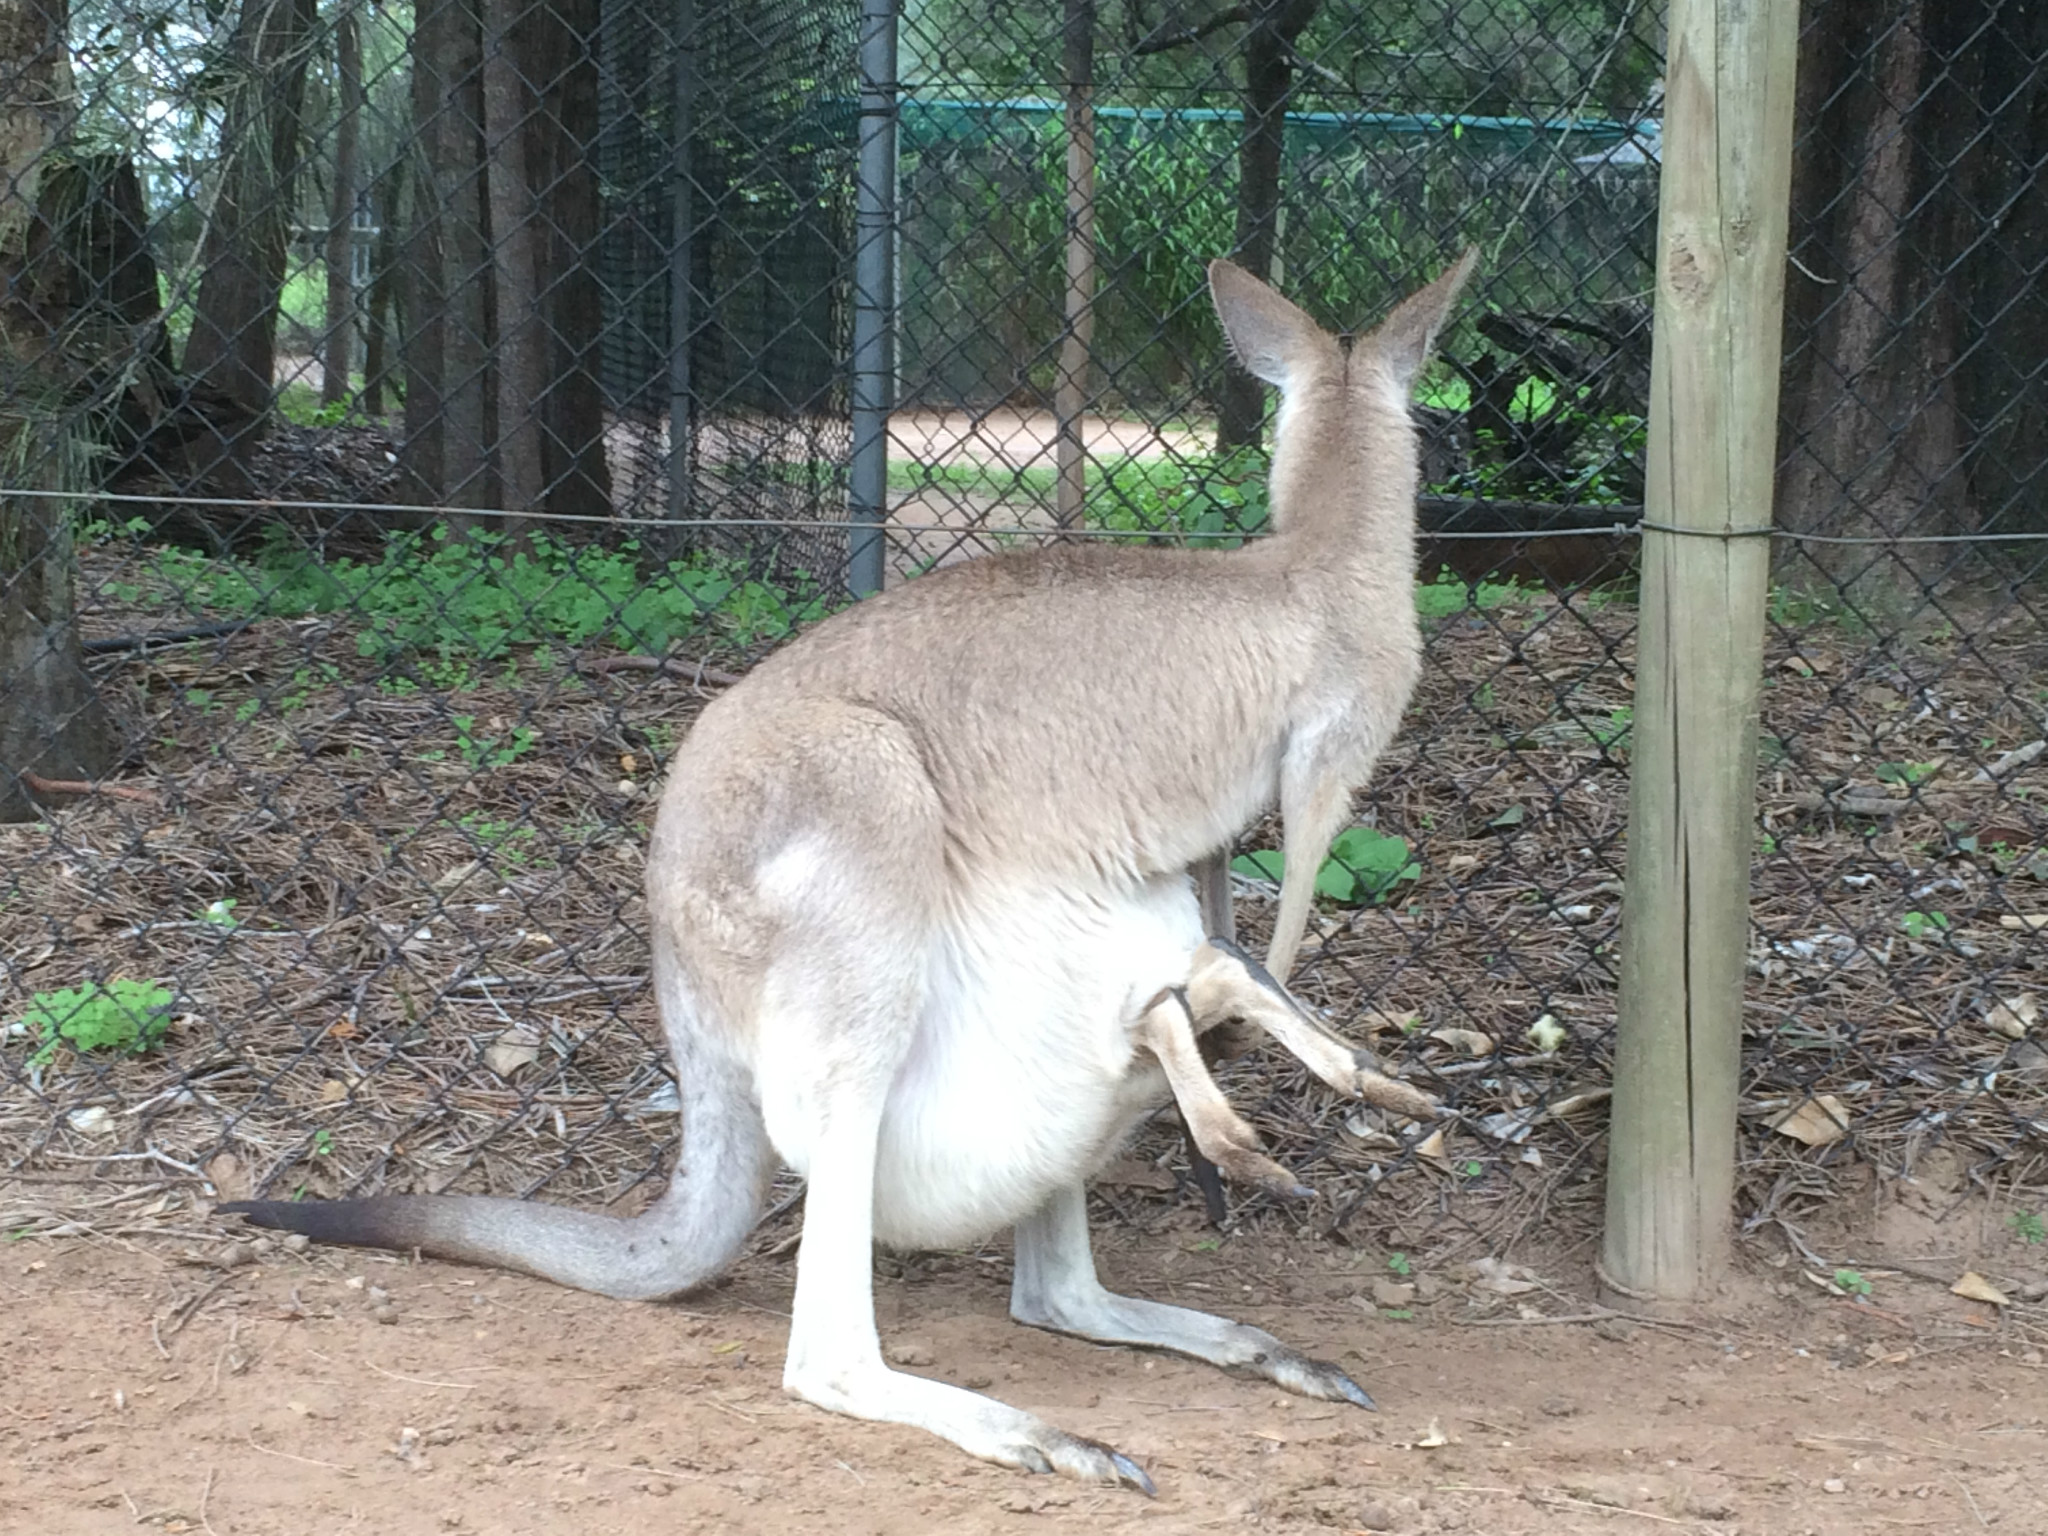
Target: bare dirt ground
x=338, y=1391
x=1019, y=439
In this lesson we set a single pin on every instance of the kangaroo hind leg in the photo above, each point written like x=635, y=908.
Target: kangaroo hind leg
x=856, y=924
x=1056, y=1288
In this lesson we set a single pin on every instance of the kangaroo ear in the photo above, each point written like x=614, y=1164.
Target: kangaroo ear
x=1270, y=336
x=1404, y=338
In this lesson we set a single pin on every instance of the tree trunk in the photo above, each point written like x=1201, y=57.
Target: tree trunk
x=1268, y=81
x=381, y=316
x=448, y=409
x=1070, y=389
x=1914, y=314
x=242, y=257
x=339, y=360
x=2003, y=297
x=561, y=47
x=520, y=371
x=52, y=722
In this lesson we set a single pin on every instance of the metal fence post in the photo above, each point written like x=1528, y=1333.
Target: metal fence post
x=874, y=299
x=1706, y=558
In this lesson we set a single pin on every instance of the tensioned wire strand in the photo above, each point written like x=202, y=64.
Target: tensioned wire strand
x=1616, y=530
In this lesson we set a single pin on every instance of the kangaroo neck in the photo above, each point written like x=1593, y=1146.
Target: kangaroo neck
x=1343, y=485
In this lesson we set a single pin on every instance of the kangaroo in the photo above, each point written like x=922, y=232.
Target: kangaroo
x=922, y=923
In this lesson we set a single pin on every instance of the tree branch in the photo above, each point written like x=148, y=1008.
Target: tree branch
x=1302, y=61
x=1160, y=40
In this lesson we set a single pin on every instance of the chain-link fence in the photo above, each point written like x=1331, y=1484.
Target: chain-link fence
x=412, y=460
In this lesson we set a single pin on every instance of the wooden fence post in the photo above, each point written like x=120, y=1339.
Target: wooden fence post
x=1706, y=561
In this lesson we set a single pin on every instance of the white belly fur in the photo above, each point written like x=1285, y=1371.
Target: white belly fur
x=1023, y=1077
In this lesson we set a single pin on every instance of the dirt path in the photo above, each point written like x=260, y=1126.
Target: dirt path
x=270, y=1397
x=1018, y=439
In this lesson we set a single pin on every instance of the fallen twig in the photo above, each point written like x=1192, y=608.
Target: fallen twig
x=43, y=786
x=185, y=1310
x=421, y=1381
x=695, y=671
x=331, y=1466
x=1566, y=1501
x=142, y=641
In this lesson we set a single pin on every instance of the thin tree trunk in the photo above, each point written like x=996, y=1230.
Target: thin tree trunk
x=560, y=42
x=447, y=405
x=51, y=719
x=232, y=347
x=1268, y=82
x=339, y=360
x=1872, y=407
x=2001, y=291
x=381, y=313
x=521, y=373
x=1070, y=390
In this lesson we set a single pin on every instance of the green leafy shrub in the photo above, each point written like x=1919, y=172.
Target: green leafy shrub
x=479, y=594
x=1363, y=868
x=128, y=1017
x=1212, y=501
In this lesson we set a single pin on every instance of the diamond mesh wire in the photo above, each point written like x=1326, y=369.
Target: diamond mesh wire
x=352, y=595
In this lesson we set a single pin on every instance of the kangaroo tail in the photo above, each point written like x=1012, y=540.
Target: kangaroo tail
x=683, y=1240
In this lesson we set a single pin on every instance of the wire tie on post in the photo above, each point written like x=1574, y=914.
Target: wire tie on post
x=1764, y=531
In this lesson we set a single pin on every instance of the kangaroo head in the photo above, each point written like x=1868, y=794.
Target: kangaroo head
x=1276, y=341
x=1345, y=452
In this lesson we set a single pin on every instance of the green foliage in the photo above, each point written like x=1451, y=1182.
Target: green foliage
x=122, y=1016
x=491, y=751
x=1208, y=500
x=1853, y=1282
x=1364, y=866
x=1919, y=925
x=1794, y=606
x=300, y=404
x=515, y=842
x=1614, y=730
x=1211, y=501
x=303, y=299
x=1607, y=446
x=1400, y=1264
x=1451, y=594
x=459, y=596
x=1907, y=775
x=2027, y=1226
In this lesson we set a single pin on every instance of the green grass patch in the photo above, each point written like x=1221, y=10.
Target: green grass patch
x=1451, y=594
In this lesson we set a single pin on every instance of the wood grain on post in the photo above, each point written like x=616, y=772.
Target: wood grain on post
x=1712, y=451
